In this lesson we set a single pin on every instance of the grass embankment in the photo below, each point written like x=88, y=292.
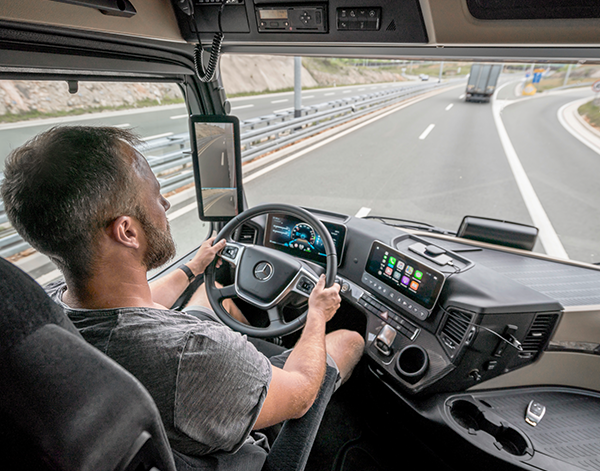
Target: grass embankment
x=591, y=113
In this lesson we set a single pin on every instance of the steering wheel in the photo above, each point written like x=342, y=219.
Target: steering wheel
x=266, y=278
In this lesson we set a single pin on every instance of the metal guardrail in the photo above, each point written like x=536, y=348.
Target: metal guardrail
x=171, y=161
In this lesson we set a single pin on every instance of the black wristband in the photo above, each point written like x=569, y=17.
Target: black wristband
x=187, y=271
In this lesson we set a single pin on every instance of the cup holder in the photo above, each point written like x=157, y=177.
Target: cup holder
x=412, y=363
x=469, y=416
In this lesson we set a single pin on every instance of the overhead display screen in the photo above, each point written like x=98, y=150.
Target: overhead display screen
x=404, y=274
x=291, y=235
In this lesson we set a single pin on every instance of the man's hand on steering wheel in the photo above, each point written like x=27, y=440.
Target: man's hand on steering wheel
x=205, y=255
x=324, y=301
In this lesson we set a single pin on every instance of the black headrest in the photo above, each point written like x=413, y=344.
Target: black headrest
x=25, y=307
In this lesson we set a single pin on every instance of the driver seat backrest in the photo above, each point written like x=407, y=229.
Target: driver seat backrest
x=65, y=405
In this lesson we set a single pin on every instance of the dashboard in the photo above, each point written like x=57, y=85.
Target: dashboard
x=440, y=315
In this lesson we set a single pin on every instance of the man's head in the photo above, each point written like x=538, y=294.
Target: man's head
x=64, y=188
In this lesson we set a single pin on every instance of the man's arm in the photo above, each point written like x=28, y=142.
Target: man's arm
x=168, y=288
x=294, y=388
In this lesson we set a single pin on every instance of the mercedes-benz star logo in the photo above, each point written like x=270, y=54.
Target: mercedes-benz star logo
x=263, y=271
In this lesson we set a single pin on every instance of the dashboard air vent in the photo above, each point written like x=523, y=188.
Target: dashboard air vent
x=246, y=234
x=538, y=335
x=455, y=328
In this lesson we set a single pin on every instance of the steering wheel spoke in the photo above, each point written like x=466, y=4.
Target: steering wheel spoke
x=275, y=317
x=226, y=292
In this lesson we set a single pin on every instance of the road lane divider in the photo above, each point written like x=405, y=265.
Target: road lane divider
x=242, y=107
x=279, y=101
x=425, y=133
x=548, y=236
x=449, y=106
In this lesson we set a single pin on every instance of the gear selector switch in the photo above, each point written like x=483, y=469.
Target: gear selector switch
x=385, y=339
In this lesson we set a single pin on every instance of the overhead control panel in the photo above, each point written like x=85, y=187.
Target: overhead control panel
x=304, y=22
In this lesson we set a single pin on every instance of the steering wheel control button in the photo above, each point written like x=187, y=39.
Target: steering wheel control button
x=263, y=271
x=305, y=285
x=230, y=252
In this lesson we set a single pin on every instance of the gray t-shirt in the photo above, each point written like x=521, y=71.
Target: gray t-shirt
x=208, y=382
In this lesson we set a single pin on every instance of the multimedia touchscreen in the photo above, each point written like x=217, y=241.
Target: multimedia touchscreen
x=291, y=235
x=404, y=274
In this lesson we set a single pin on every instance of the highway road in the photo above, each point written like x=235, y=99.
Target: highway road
x=164, y=121
x=439, y=160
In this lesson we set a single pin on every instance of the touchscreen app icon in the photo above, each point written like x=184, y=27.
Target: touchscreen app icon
x=418, y=275
x=397, y=275
x=405, y=280
x=400, y=265
x=409, y=270
x=414, y=285
x=388, y=271
x=392, y=262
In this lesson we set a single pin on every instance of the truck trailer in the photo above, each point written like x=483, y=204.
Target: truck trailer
x=482, y=82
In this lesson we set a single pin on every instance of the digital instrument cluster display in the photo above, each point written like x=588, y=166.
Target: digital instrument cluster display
x=404, y=274
x=291, y=235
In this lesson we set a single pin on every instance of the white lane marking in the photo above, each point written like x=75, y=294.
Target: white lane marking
x=179, y=116
x=182, y=211
x=548, y=236
x=279, y=101
x=308, y=96
x=149, y=138
x=346, y=91
x=324, y=142
x=362, y=212
x=574, y=133
x=124, y=125
x=329, y=94
x=284, y=109
x=449, y=106
x=361, y=89
x=241, y=107
x=461, y=97
x=427, y=131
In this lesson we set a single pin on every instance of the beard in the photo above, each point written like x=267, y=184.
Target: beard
x=160, y=247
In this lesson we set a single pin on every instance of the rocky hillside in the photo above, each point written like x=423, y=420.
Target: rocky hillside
x=241, y=74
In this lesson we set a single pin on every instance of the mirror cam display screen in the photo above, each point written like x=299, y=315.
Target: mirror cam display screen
x=291, y=235
x=215, y=149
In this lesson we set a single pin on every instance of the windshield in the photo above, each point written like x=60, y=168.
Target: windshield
x=517, y=146
x=426, y=142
